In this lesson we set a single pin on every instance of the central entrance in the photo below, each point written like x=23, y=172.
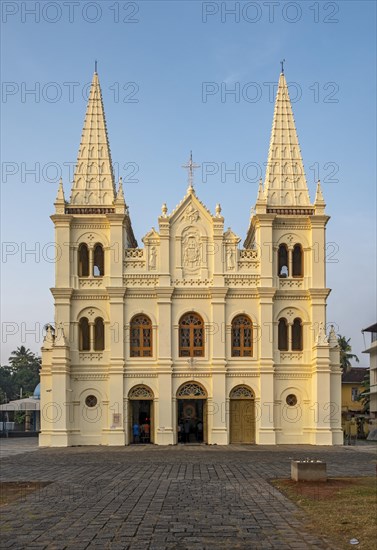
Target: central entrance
x=192, y=413
x=141, y=415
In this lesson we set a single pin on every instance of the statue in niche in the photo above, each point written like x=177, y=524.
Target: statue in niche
x=152, y=257
x=191, y=251
x=230, y=257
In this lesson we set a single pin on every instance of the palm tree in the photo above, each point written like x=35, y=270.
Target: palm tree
x=345, y=353
x=21, y=357
x=23, y=372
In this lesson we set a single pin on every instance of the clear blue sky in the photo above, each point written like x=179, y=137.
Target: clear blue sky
x=163, y=54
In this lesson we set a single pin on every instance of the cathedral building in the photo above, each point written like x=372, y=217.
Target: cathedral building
x=190, y=338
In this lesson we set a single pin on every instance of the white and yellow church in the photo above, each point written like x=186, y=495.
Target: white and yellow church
x=190, y=338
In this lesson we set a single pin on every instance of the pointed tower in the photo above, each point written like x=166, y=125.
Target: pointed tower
x=93, y=182
x=92, y=233
x=285, y=183
x=289, y=234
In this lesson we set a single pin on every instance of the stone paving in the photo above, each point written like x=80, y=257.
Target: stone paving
x=17, y=445
x=149, y=497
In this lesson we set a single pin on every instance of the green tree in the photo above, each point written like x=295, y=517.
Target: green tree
x=7, y=386
x=21, y=357
x=364, y=396
x=345, y=353
x=22, y=372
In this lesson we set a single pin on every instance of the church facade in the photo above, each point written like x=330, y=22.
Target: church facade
x=190, y=337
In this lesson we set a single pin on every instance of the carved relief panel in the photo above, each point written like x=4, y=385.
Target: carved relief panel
x=191, y=252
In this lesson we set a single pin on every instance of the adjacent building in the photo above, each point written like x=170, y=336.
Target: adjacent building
x=352, y=387
x=372, y=350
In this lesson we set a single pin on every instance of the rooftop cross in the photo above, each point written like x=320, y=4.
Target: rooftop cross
x=190, y=167
x=282, y=65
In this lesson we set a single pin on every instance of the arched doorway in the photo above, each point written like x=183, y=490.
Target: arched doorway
x=242, y=415
x=192, y=413
x=141, y=414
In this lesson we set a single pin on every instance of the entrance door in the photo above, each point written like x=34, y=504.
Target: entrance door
x=191, y=420
x=141, y=415
x=242, y=421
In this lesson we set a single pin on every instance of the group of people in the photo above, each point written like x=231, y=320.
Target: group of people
x=141, y=432
x=185, y=429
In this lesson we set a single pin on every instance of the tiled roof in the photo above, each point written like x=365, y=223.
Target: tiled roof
x=354, y=375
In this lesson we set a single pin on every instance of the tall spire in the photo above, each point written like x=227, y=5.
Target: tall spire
x=93, y=183
x=285, y=183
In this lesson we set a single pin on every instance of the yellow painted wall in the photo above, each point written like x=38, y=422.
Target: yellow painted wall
x=347, y=403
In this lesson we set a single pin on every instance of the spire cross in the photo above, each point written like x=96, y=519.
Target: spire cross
x=190, y=167
x=282, y=65
x=95, y=66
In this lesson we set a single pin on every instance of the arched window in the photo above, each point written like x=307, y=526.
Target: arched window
x=83, y=260
x=191, y=336
x=297, y=261
x=99, y=334
x=98, y=261
x=242, y=336
x=283, y=334
x=84, y=336
x=141, y=336
x=283, y=261
x=297, y=335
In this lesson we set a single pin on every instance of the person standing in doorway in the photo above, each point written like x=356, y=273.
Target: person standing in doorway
x=187, y=430
x=136, y=432
x=199, y=431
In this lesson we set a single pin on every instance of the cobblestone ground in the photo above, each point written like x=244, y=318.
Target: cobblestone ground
x=147, y=497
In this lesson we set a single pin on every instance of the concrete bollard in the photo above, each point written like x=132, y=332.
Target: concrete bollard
x=307, y=470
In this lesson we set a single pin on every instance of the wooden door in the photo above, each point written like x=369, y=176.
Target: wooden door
x=242, y=421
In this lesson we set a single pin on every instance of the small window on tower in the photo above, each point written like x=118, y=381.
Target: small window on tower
x=98, y=261
x=283, y=261
x=99, y=334
x=84, y=338
x=283, y=334
x=297, y=335
x=297, y=261
x=83, y=260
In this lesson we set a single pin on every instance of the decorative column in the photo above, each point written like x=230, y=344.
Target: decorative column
x=126, y=409
x=218, y=433
x=116, y=432
x=91, y=261
x=91, y=336
x=266, y=434
x=321, y=427
x=290, y=261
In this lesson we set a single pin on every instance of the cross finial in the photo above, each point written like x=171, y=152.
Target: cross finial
x=190, y=167
x=95, y=66
x=282, y=65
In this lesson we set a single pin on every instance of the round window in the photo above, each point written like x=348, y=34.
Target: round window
x=291, y=400
x=91, y=401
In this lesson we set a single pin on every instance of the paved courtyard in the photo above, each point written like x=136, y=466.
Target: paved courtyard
x=148, y=497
